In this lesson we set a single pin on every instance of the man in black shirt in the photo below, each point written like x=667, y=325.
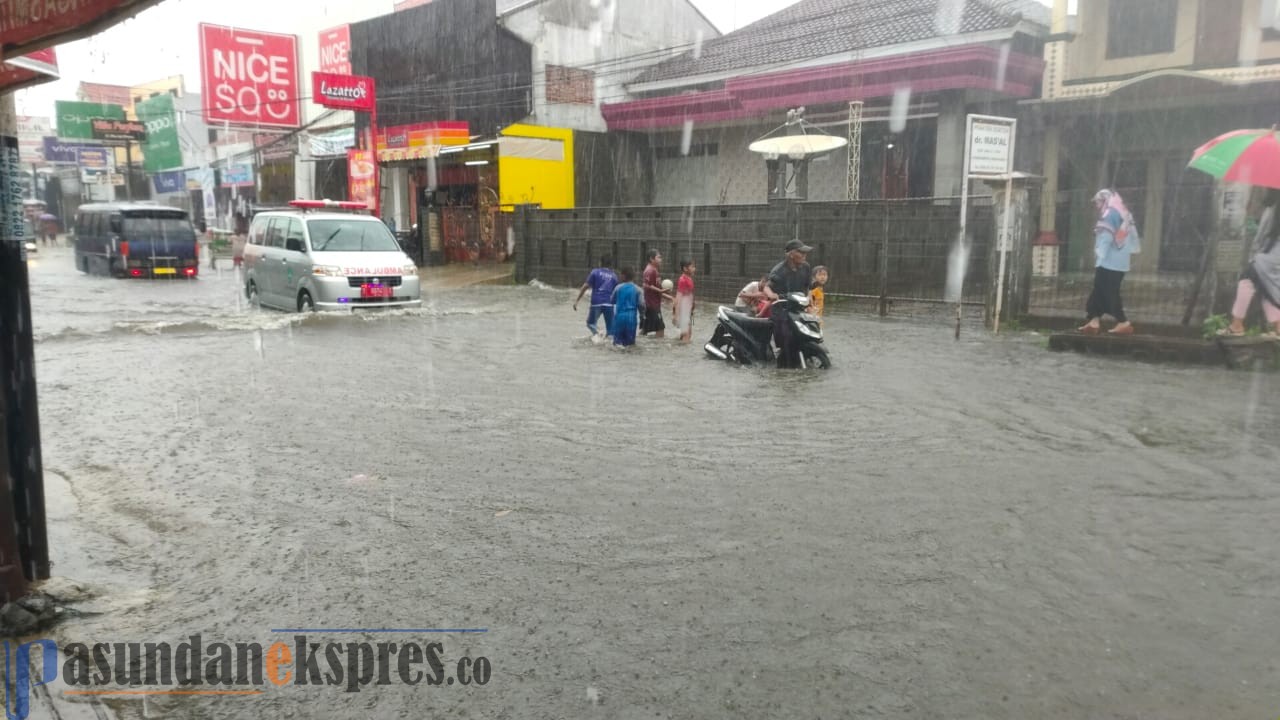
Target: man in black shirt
x=792, y=275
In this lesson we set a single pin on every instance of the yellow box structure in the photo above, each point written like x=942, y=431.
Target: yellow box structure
x=535, y=166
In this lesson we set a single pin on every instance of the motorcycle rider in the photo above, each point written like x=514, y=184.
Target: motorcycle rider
x=792, y=275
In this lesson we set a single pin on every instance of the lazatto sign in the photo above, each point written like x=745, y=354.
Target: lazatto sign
x=345, y=92
x=250, y=77
x=335, y=50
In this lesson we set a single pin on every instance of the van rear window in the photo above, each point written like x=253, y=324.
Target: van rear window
x=167, y=226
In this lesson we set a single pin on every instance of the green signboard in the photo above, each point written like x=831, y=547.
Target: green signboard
x=161, y=151
x=75, y=119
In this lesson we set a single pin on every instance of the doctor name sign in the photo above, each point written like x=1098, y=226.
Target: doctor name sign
x=991, y=146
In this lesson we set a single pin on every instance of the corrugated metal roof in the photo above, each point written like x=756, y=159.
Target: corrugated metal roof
x=816, y=28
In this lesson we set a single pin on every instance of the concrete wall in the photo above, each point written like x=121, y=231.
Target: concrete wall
x=572, y=33
x=736, y=244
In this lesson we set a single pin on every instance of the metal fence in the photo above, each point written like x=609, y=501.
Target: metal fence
x=895, y=251
x=1180, y=275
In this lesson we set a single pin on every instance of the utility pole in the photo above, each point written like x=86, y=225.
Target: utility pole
x=128, y=170
x=855, y=150
x=22, y=513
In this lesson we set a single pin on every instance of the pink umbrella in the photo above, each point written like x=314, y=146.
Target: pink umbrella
x=1251, y=157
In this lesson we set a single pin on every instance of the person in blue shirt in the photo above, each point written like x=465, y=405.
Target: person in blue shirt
x=1114, y=240
x=601, y=283
x=627, y=299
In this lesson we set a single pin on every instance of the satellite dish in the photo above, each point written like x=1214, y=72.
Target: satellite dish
x=797, y=146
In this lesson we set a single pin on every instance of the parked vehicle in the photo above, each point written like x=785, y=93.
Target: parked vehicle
x=315, y=257
x=135, y=240
x=747, y=340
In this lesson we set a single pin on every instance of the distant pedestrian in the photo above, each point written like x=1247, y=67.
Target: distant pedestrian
x=627, y=300
x=653, y=295
x=1115, y=240
x=1262, y=277
x=682, y=309
x=817, y=296
x=601, y=282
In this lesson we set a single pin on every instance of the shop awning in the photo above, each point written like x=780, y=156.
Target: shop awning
x=333, y=143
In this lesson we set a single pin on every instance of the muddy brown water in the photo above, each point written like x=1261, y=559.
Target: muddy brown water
x=980, y=529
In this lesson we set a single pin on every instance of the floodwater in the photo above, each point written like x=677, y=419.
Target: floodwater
x=980, y=529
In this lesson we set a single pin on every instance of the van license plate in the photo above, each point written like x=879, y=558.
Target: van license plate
x=165, y=271
x=376, y=291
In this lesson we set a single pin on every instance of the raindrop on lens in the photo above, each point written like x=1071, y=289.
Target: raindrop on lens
x=686, y=136
x=898, y=110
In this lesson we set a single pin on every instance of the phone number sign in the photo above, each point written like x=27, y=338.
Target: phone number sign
x=250, y=77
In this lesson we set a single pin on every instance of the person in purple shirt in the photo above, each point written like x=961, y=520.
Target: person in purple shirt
x=601, y=283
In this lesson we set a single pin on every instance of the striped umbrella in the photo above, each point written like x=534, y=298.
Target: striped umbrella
x=1251, y=157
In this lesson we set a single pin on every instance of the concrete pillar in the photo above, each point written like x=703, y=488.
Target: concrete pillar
x=304, y=171
x=23, y=539
x=1149, y=259
x=948, y=159
x=1049, y=196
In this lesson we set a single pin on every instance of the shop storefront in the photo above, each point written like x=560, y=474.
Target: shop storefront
x=457, y=197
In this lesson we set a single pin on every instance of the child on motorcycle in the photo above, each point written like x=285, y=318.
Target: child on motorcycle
x=816, y=298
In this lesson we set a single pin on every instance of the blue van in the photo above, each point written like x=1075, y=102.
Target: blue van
x=135, y=240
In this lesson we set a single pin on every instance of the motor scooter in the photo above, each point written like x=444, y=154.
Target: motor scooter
x=746, y=340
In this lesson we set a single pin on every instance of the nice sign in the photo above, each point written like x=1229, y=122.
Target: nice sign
x=250, y=77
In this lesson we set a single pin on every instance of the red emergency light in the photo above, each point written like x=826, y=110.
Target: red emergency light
x=327, y=205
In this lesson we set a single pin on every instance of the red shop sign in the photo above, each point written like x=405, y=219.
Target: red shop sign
x=40, y=66
x=250, y=77
x=36, y=24
x=346, y=92
x=335, y=50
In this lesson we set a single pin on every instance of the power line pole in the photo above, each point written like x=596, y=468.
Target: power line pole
x=855, y=150
x=23, y=468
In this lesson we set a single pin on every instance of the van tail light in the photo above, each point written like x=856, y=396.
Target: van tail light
x=124, y=248
x=189, y=271
x=135, y=272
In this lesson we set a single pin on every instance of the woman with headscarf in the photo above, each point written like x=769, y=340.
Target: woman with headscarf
x=1263, y=274
x=1114, y=241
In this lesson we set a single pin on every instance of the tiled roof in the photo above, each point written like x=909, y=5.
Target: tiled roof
x=109, y=94
x=816, y=28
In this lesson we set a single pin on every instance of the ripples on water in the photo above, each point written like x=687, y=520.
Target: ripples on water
x=972, y=529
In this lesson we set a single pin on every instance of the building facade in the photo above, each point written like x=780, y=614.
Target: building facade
x=1131, y=89
x=917, y=67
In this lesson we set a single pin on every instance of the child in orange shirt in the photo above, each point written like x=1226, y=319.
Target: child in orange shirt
x=816, y=298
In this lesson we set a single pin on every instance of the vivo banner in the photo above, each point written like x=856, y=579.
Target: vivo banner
x=249, y=77
x=58, y=151
x=343, y=92
x=170, y=182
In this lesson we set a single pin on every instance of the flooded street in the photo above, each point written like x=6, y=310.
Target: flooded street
x=981, y=529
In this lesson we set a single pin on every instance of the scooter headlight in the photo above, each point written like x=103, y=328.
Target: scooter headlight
x=806, y=330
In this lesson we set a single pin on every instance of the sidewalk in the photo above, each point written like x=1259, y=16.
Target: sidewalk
x=452, y=277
